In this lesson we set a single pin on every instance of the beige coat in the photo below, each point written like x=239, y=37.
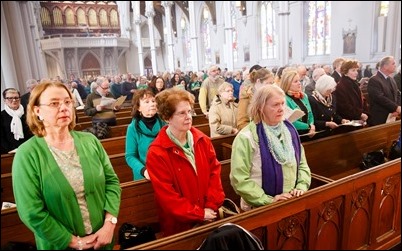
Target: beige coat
x=222, y=117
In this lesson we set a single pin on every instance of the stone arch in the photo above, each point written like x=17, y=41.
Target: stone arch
x=90, y=65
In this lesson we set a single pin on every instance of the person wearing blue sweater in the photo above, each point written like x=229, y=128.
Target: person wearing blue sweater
x=143, y=129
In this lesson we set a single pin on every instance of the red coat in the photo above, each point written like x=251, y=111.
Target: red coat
x=182, y=194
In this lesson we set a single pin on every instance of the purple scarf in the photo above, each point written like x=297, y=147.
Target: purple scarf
x=272, y=176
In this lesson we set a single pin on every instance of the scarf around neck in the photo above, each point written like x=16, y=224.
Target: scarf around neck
x=325, y=101
x=16, y=124
x=272, y=176
x=297, y=95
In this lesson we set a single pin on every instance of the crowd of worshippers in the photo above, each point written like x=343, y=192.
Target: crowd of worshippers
x=268, y=162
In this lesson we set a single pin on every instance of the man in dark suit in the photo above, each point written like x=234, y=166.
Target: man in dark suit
x=337, y=69
x=384, y=96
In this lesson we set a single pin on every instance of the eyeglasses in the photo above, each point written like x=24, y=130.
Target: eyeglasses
x=13, y=98
x=57, y=104
x=104, y=88
x=183, y=114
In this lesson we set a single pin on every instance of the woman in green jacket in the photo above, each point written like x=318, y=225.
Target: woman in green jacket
x=65, y=188
x=143, y=129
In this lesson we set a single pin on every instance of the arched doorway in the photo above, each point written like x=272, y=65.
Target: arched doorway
x=90, y=66
x=148, y=67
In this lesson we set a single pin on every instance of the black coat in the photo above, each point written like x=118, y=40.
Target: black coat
x=8, y=142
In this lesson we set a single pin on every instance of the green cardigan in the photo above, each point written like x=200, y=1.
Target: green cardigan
x=45, y=200
x=299, y=124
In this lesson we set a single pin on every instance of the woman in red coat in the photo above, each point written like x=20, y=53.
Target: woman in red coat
x=182, y=166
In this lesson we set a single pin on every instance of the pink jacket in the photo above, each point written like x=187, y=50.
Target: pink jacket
x=181, y=193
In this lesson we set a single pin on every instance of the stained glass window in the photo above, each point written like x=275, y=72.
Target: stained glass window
x=318, y=28
x=268, y=30
x=206, y=35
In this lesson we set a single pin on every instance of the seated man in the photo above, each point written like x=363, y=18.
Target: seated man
x=93, y=107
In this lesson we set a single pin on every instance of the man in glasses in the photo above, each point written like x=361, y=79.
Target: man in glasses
x=14, y=129
x=100, y=112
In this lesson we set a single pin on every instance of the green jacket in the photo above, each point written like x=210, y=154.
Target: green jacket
x=299, y=124
x=45, y=200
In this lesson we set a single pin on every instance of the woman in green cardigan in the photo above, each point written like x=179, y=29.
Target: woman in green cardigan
x=65, y=188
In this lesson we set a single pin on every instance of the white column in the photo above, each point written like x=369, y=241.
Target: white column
x=32, y=12
x=21, y=42
x=168, y=21
x=194, y=38
x=124, y=16
x=150, y=13
x=8, y=72
x=228, y=35
x=283, y=16
x=137, y=22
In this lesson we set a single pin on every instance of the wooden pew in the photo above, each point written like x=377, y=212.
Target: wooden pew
x=121, y=130
x=119, y=121
x=85, y=118
x=347, y=149
x=137, y=206
x=372, y=144
x=6, y=162
x=197, y=120
x=361, y=211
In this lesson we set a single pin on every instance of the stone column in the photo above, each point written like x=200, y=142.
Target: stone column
x=8, y=72
x=283, y=18
x=194, y=38
x=124, y=16
x=150, y=13
x=170, y=45
x=227, y=8
x=137, y=22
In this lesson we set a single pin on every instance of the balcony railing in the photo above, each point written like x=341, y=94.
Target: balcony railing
x=58, y=41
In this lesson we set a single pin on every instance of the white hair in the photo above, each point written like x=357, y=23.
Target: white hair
x=325, y=83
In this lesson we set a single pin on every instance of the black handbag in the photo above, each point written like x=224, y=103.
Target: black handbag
x=130, y=235
x=394, y=151
x=372, y=159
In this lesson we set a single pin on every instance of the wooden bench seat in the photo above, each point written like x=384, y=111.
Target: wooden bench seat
x=361, y=211
x=137, y=206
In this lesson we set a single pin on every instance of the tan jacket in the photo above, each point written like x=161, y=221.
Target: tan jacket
x=222, y=117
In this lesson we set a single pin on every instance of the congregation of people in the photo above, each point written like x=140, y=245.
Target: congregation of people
x=54, y=161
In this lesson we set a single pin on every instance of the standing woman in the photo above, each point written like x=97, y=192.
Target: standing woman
x=65, y=188
x=257, y=78
x=14, y=129
x=348, y=94
x=143, y=129
x=296, y=98
x=268, y=163
x=182, y=166
x=223, y=112
x=323, y=106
